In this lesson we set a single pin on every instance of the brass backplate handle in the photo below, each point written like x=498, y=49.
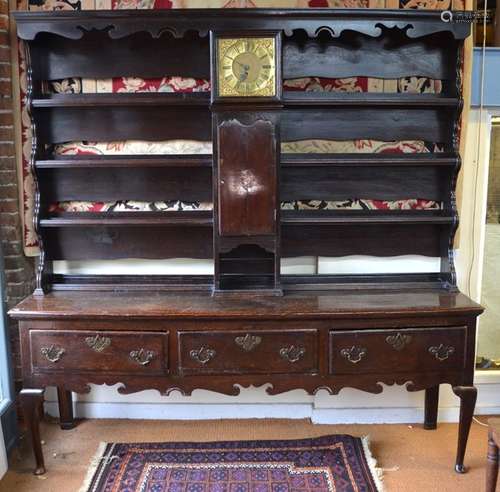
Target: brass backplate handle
x=98, y=343
x=354, y=354
x=142, y=356
x=442, y=352
x=53, y=353
x=248, y=342
x=398, y=341
x=203, y=355
x=292, y=353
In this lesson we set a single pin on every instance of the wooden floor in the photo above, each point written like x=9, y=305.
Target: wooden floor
x=413, y=459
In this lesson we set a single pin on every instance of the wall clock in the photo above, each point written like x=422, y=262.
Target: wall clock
x=246, y=66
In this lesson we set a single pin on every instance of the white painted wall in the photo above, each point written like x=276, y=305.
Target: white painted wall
x=350, y=406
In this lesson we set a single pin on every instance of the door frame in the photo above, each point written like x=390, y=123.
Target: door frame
x=8, y=420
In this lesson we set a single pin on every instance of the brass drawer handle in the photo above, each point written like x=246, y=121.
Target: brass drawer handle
x=142, y=356
x=248, y=342
x=98, y=343
x=354, y=354
x=292, y=353
x=203, y=355
x=442, y=352
x=398, y=341
x=53, y=353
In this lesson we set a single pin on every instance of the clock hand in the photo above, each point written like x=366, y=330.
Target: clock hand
x=245, y=67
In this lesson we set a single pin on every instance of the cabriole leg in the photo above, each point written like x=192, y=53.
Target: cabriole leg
x=468, y=396
x=31, y=401
x=431, y=407
x=65, y=399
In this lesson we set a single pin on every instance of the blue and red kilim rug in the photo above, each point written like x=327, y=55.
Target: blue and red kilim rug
x=336, y=463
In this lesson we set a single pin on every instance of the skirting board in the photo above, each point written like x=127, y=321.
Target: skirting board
x=394, y=406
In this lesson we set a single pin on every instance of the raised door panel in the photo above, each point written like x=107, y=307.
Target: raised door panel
x=247, y=178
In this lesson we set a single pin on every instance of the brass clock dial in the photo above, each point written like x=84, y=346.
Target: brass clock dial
x=246, y=67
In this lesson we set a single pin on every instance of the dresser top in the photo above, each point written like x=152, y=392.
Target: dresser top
x=343, y=304
x=121, y=23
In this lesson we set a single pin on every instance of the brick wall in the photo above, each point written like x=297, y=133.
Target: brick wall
x=19, y=270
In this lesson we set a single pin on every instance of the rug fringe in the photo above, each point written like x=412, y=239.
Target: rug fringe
x=94, y=463
x=377, y=473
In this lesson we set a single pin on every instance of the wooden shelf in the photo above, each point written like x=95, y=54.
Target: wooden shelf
x=377, y=281
x=196, y=283
x=123, y=99
x=287, y=160
x=290, y=98
x=89, y=219
x=310, y=98
x=133, y=161
x=361, y=160
x=360, y=217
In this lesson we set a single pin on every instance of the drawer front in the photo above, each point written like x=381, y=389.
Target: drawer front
x=99, y=351
x=407, y=350
x=253, y=352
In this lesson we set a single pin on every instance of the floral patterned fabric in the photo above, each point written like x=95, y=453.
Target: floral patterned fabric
x=181, y=206
x=416, y=85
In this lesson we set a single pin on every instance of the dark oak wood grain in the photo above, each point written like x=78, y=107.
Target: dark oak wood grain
x=342, y=304
x=354, y=54
x=246, y=324
x=247, y=178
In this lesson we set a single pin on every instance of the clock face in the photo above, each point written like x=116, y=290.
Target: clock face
x=246, y=67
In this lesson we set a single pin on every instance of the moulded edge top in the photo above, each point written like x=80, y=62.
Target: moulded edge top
x=121, y=23
x=297, y=305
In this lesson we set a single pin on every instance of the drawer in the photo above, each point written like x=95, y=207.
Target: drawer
x=253, y=352
x=406, y=350
x=109, y=352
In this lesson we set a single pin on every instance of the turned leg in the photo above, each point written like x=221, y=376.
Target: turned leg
x=31, y=401
x=65, y=399
x=492, y=465
x=467, y=395
x=431, y=407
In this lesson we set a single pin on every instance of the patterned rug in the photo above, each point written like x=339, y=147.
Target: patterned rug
x=336, y=463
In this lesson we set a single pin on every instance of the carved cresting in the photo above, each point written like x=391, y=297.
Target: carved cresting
x=98, y=343
x=311, y=21
x=53, y=353
x=248, y=342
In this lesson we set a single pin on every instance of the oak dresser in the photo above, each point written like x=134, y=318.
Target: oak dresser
x=268, y=185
